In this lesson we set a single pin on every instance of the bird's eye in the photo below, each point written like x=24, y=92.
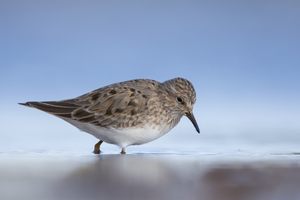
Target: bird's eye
x=179, y=99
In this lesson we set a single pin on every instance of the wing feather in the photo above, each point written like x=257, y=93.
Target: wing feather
x=115, y=105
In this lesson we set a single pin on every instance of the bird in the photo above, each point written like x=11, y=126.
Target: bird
x=127, y=113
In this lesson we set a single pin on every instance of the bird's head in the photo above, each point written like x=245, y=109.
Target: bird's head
x=183, y=98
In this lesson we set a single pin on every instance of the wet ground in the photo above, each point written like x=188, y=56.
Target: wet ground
x=161, y=175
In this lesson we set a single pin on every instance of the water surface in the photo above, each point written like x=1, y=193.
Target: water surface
x=145, y=175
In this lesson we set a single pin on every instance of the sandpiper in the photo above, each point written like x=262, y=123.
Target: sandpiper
x=127, y=113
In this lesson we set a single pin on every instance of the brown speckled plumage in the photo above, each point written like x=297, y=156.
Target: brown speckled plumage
x=129, y=104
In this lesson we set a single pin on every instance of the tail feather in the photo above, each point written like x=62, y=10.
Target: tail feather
x=58, y=108
x=25, y=104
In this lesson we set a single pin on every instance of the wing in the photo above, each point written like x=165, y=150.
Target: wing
x=117, y=105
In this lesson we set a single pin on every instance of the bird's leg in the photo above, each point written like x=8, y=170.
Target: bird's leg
x=97, y=147
x=123, y=150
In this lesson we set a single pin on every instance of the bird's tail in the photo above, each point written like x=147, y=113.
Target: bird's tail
x=58, y=108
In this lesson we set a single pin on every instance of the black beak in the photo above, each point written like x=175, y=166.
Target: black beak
x=193, y=120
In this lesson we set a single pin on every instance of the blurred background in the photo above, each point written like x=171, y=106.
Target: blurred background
x=242, y=57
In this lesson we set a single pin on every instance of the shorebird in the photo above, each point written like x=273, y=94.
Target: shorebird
x=127, y=113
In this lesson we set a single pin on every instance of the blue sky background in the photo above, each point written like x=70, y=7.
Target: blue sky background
x=242, y=56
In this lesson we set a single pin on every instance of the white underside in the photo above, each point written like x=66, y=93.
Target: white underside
x=121, y=137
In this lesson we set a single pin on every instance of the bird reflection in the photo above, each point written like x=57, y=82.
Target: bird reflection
x=116, y=176
x=166, y=177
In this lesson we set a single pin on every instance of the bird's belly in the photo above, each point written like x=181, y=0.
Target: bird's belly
x=122, y=137
x=128, y=136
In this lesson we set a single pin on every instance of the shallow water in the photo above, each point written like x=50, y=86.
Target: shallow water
x=160, y=175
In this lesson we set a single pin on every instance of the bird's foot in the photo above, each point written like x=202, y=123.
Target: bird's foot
x=97, y=151
x=123, y=151
x=97, y=147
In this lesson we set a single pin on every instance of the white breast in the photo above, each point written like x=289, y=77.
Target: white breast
x=122, y=137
